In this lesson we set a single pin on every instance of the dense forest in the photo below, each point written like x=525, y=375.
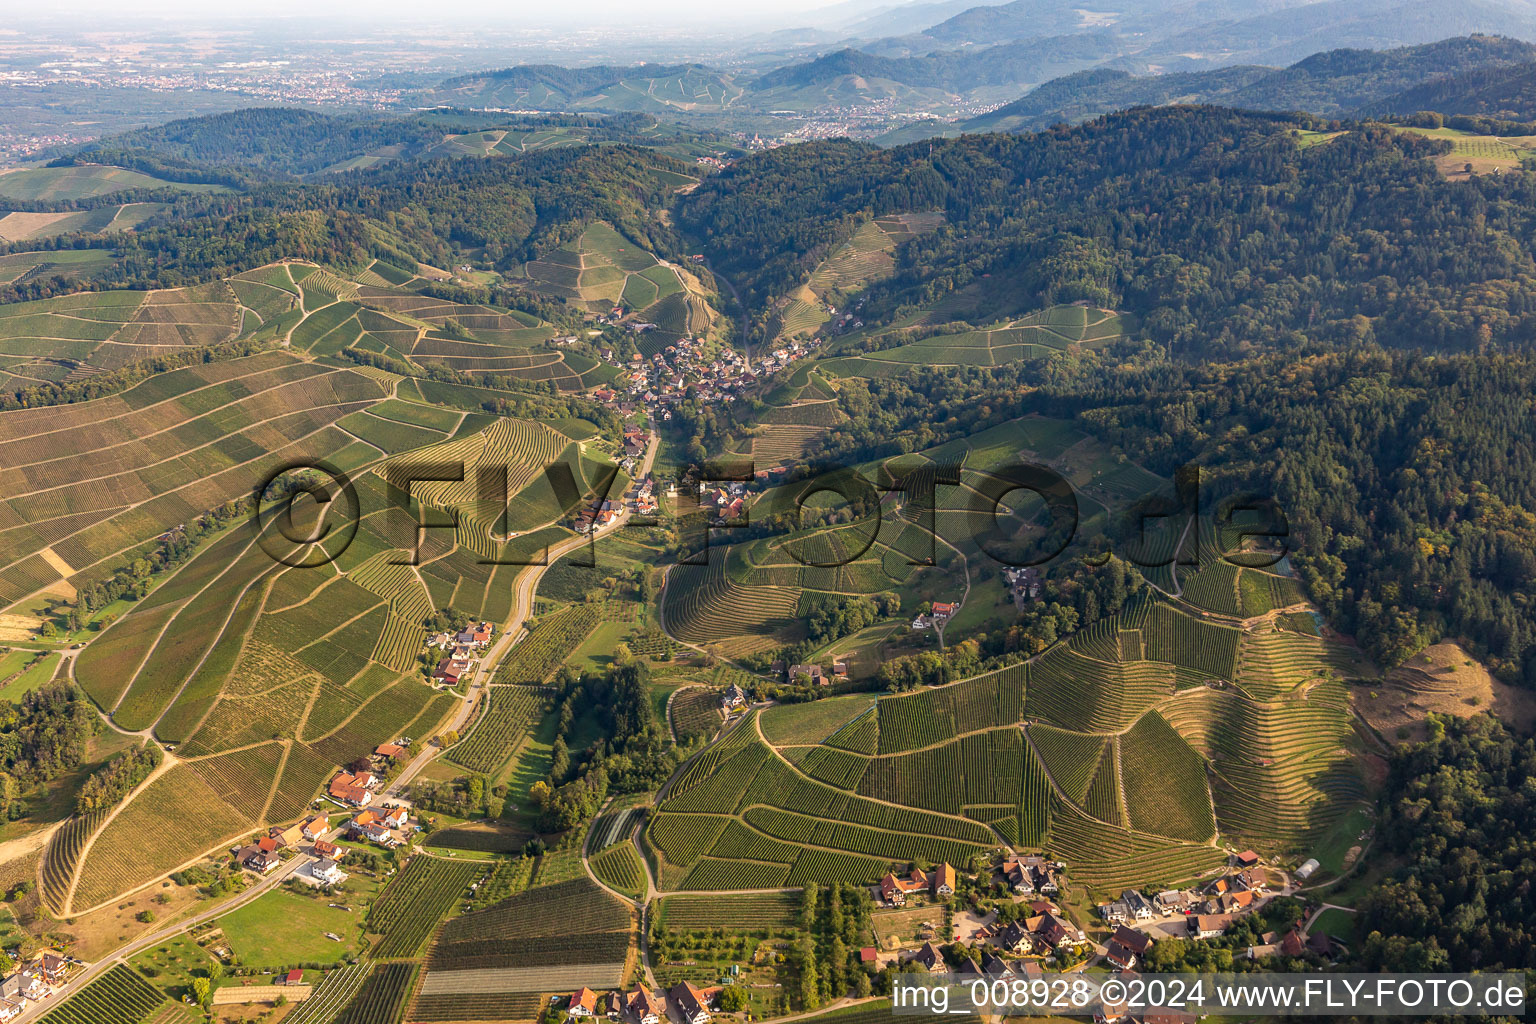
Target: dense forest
x=42, y=737
x=1223, y=234
x=1460, y=819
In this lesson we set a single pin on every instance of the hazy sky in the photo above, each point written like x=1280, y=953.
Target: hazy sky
x=462, y=13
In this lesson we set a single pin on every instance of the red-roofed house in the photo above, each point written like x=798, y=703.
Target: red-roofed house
x=583, y=1003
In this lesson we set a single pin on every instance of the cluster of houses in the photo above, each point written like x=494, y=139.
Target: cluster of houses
x=1023, y=584
x=937, y=884
x=942, y=612
x=642, y=1006
x=459, y=651
x=726, y=502
x=668, y=376
x=810, y=674
x=35, y=981
x=1043, y=932
x=1207, y=911
x=1033, y=874
x=386, y=828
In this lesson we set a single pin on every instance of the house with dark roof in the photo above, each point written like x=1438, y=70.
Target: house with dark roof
x=994, y=967
x=1126, y=947
x=930, y=957
x=1015, y=938
x=690, y=1002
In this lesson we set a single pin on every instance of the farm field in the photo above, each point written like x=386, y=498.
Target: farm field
x=283, y=928
x=84, y=181
x=1058, y=328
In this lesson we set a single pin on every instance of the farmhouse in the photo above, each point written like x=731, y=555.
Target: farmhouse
x=930, y=958
x=316, y=826
x=733, y=697
x=944, y=611
x=1033, y=874
x=583, y=1003
x=260, y=856
x=1126, y=946
x=690, y=1002
x=451, y=670
x=388, y=750
x=294, y=977
x=894, y=890
x=1207, y=926
x=1016, y=939
x=943, y=880
x=346, y=788
x=645, y=1008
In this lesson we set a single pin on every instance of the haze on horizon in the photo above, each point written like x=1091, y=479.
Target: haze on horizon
x=676, y=15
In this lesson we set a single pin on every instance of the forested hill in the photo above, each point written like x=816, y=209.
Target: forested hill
x=1506, y=92
x=428, y=211
x=1215, y=226
x=1329, y=83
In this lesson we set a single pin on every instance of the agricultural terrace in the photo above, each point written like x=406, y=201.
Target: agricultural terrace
x=18, y=226
x=84, y=181
x=1129, y=748
x=602, y=270
x=268, y=677
x=159, y=454
x=506, y=715
x=120, y=996
x=866, y=257
x=553, y=937
x=889, y=351
x=741, y=816
x=381, y=997
x=620, y=868
x=415, y=900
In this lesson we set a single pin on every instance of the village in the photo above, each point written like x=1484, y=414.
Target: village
x=460, y=652
x=1024, y=934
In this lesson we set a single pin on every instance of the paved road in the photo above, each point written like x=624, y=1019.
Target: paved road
x=138, y=945
x=525, y=586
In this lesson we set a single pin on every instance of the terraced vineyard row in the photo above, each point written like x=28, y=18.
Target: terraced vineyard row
x=503, y=724
x=930, y=716
x=537, y=655
x=63, y=855
x=412, y=904
x=120, y=996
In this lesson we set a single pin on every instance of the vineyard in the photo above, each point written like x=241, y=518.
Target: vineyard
x=542, y=651
x=63, y=854
x=120, y=996
x=569, y=923
x=739, y=816
x=381, y=996
x=695, y=712
x=619, y=866
x=508, y=712
x=412, y=904
x=759, y=913
x=327, y=999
